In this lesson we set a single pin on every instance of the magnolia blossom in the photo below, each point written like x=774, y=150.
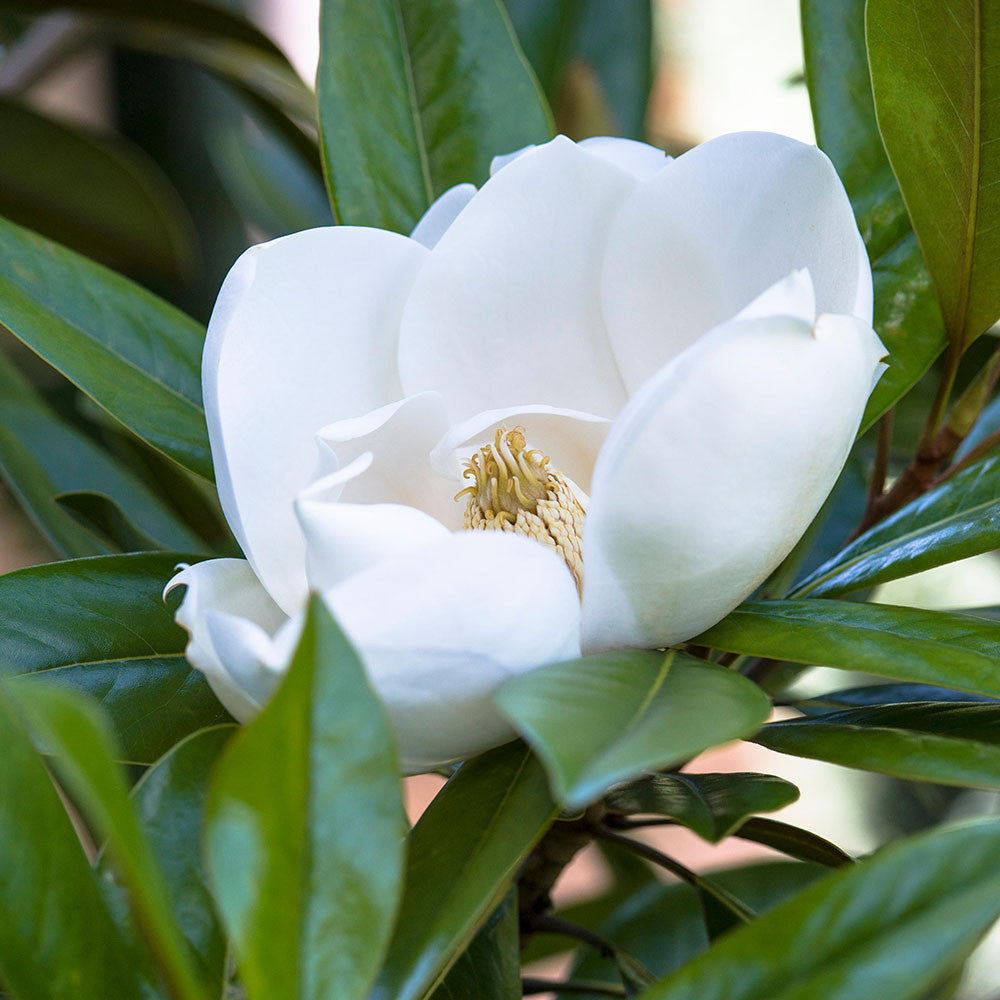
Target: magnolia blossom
x=635, y=379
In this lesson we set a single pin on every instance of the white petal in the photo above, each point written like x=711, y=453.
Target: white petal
x=231, y=620
x=572, y=440
x=702, y=238
x=506, y=309
x=504, y=159
x=400, y=438
x=304, y=332
x=638, y=158
x=715, y=469
x=793, y=296
x=345, y=538
x=436, y=220
x=440, y=629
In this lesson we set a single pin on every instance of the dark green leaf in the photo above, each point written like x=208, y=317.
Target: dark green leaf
x=932, y=647
x=489, y=969
x=662, y=924
x=957, y=519
x=885, y=929
x=57, y=937
x=906, y=313
x=71, y=728
x=304, y=832
x=613, y=41
x=604, y=719
x=949, y=743
x=105, y=520
x=936, y=81
x=93, y=193
x=170, y=799
x=881, y=694
x=793, y=841
x=41, y=456
x=464, y=854
x=416, y=97
x=105, y=630
x=713, y=805
x=136, y=356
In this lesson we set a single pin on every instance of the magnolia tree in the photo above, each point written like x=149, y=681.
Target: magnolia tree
x=542, y=460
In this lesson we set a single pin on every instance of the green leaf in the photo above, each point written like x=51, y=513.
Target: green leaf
x=957, y=519
x=57, y=936
x=105, y=520
x=602, y=720
x=136, y=356
x=936, y=82
x=713, y=805
x=304, y=833
x=416, y=97
x=662, y=924
x=100, y=626
x=70, y=727
x=464, y=854
x=94, y=193
x=170, y=800
x=41, y=456
x=793, y=841
x=881, y=694
x=923, y=902
x=489, y=969
x=948, y=743
x=932, y=647
x=907, y=317
x=613, y=41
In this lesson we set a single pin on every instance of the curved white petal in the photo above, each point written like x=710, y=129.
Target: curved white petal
x=504, y=159
x=441, y=628
x=345, y=538
x=699, y=240
x=715, y=469
x=230, y=620
x=303, y=333
x=435, y=221
x=572, y=440
x=506, y=308
x=638, y=158
x=400, y=438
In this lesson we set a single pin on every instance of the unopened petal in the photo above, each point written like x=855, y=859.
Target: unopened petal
x=703, y=237
x=638, y=158
x=435, y=221
x=715, y=469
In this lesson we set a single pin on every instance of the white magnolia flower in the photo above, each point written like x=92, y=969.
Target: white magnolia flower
x=643, y=374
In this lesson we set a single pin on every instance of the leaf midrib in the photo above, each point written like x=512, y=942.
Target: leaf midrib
x=414, y=103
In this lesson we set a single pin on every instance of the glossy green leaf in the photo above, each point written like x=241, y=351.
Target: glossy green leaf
x=136, y=356
x=957, y=519
x=416, y=97
x=604, y=719
x=713, y=805
x=105, y=630
x=907, y=317
x=662, y=924
x=105, y=520
x=612, y=41
x=41, y=456
x=490, y=968
x=881, y=694
x=948, y=743
x=936, y=81
x=464, y=854
x=70, y=727
x=931, y=647
x=885, y=929
x=170, y=800
x=57, y=936
x=304, y=833
x=793, y=841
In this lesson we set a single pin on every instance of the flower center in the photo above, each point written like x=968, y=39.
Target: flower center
x=515, y=489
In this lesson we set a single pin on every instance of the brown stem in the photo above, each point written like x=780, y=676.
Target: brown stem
x=982, y=449
x=880, y=467
x=547, y=923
